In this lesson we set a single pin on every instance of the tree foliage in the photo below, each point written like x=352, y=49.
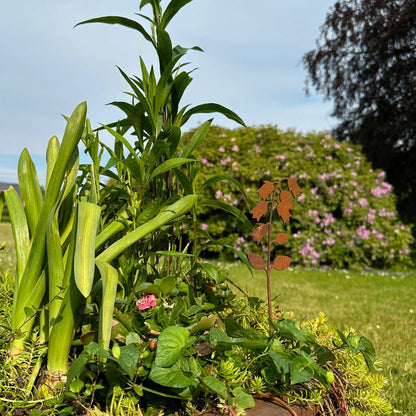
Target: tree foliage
x=365, y=62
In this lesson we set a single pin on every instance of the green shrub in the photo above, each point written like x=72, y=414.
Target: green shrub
x=346, y=218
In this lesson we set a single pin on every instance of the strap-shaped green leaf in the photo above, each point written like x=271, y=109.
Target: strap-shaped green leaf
x=109, y=276
x=51, y=155
x=19, y=228
x=84, y=265
x=29, y=189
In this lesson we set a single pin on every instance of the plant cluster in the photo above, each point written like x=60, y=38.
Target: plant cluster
x=113, y=307
x=346, y=217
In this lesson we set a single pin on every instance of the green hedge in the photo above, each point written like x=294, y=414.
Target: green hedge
x=346, y=217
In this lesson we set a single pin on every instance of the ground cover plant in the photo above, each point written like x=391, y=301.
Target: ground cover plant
x=112, y=309
x=345, y=218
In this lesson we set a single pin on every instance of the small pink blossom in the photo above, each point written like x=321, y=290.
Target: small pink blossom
x=235, y=148
x=221, y=149
x=363, y=202
x=257, y=148
x=204, y=226
x=203, y=160
x=146, y=302
x=232, y=140
x=222, y=135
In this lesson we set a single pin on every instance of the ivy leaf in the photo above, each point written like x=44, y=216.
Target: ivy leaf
x=281, y=238
x=259, y=232
x=259, y=210
x=281, y=262
x=294, y=187
x=256, y=261
x=285, y=205
x=265, y=190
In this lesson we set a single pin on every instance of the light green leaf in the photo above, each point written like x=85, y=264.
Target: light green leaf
x=244, y=399
x=88, y=219
x=129, y=357
x=300, y=371
x=215, y=386
x=171, y=376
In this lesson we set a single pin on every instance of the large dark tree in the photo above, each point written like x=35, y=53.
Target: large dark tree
x=365, y=62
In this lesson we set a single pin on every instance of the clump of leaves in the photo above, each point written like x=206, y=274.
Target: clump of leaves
x=272, y=194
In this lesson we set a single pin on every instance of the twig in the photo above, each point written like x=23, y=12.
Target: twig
x=238, y=287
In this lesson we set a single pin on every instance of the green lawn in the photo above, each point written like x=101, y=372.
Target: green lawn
x=7, y=256
x=381, y=306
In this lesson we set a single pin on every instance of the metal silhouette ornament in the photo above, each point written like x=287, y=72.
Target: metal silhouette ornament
x=272, y=196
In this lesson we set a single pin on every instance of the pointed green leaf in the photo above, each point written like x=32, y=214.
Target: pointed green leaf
x=197, y=138
x=169, y=165
x=109, y=276
x=29, y=189
x=215, y=385
x=118, y=20
x=228, y=208
x=212, y=108
x=300, y=371
x=88, y=219
x=171, y=9
x=51, y=155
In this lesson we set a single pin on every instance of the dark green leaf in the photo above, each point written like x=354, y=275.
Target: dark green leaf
x=118, y=20
x=215, y=386
x=367, y=350
x=281, y=360
x=171, y=9
x=228, y=208
x=170, y=346
x=197, y=138
x=210, y=270
x=129, y=357
x=212, y=108
x=77, y=366
x=170, y=164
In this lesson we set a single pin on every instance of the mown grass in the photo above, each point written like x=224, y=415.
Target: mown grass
x=380, y=305
x=7, y=255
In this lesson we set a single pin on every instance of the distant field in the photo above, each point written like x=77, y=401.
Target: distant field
x=7, y=256
x=381, y=306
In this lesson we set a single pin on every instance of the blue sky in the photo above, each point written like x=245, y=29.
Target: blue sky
x=252, y=64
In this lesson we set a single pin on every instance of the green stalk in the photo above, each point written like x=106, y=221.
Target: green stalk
x=35, y=262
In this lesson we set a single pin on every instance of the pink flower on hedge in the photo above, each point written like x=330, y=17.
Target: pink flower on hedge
x=221, y=149
x=363, y=202
x=235, y=148
x=203, y=160
x=146, y=302
x=204, y=226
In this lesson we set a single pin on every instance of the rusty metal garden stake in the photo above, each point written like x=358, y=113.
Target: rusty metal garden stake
x=284, y=203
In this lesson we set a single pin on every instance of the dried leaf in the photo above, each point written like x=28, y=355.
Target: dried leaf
x=256, y=261
x=259, y=232
x=281, y=262
x=281, y=238
x=285, y=205
x=294, y=187
x=265, y=190
x=259, y=210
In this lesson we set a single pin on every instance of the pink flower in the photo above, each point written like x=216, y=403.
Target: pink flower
x=204, y=226
x=232, y=139
x=235, y=148
x=203, y=160
x=221, y=149
x=146, y=302
x=363, y=202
